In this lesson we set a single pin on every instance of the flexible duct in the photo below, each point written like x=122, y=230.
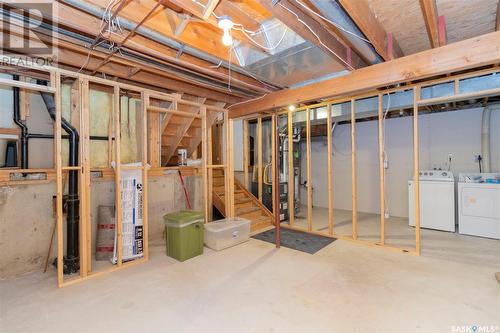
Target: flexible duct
x=485, y=136
x=72, y=260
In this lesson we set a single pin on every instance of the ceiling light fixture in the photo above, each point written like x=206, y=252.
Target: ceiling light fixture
x=226, y=24
x=291, y=107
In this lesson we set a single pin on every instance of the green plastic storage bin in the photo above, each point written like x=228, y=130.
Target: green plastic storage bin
x=184, y=234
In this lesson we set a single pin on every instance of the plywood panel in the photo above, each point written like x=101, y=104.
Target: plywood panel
x=467, y=18
x=404, y=19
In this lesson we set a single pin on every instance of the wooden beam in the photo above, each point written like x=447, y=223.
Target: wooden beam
x=209, y=8
x=429, y=11
x=69, y=17
x=301, y=22
x=206, y=40
x=367, y=22
x=471, y=53
x=181, y=26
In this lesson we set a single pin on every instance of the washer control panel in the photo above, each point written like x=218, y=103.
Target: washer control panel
x=436, y=175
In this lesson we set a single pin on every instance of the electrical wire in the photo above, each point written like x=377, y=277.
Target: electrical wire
x=271, y=48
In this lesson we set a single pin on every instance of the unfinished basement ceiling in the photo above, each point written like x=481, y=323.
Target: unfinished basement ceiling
x=291, y=59
x=469, y=19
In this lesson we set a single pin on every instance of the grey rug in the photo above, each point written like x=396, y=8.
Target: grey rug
x=297, y=240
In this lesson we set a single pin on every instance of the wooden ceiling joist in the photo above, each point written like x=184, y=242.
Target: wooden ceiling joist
x=367, y=22
x=430, y=13
x=206, y=40
x=467, y=54
x=75, y=56
x=89, y=25
x=311, y=30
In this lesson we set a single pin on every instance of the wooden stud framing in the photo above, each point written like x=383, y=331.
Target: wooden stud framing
x=85, y=199
x=57, y=173
x=291, y=172
x=381, y=158
x=55, y=81
x=246, y=152
x=353, y=168
x=309, y=170
x=118, y=188
x=145, y=229
x=275, y=180
x=210, y=174
x=230, y=167
x=330, y=169
x=259, y=158
x=204, y=159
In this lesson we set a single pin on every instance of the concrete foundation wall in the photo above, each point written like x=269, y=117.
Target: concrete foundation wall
x=27, y=217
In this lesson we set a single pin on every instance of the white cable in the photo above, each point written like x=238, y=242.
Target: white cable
x=319, y=39
x=248, y=100
x=262, y=46
x=333, y=23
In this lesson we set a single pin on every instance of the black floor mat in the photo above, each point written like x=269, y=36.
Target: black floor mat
x=297, y=240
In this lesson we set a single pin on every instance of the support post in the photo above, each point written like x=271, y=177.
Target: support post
x=353, y=168
x=381, y=158
x=309, y=171
x=118, y=188
x=330, y=170
x=416, y=180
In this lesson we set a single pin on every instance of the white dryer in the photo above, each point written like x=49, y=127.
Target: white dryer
x=479, y=205
x=437, y=200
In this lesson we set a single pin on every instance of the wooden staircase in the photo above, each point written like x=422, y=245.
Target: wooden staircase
x=246, y=205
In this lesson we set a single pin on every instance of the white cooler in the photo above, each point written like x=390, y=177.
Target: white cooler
x=225, y=233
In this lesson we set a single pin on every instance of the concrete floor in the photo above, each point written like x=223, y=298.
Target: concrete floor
x=253, y=287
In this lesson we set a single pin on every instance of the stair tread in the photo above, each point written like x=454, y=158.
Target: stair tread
x=246, y=210
x=242, y=200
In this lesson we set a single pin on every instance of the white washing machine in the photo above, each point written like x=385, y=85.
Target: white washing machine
x=437, y=200
x=479, y=205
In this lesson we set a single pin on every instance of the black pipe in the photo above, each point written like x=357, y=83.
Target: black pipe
x=72, y=260
x=50, y=136
x=22, y=126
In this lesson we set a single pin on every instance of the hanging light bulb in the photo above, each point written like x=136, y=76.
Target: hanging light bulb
x=226, y=24
x=226, y=38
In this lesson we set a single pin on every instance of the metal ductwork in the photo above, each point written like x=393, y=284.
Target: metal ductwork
x=333, y=11
x=156, y=36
